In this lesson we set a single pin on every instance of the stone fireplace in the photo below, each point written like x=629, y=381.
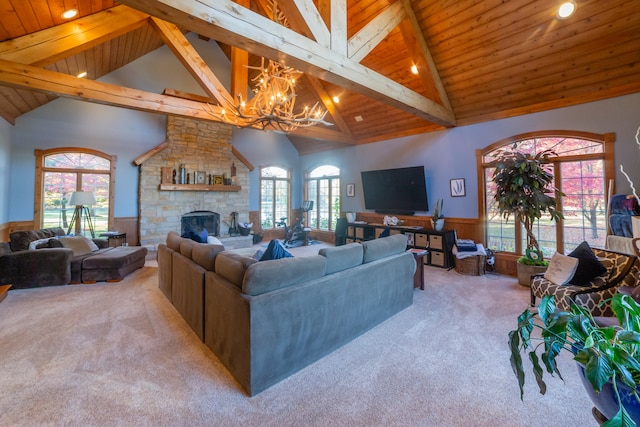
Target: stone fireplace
x=201, y=146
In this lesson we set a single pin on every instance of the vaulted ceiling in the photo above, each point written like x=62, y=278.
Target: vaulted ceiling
x=477, y=60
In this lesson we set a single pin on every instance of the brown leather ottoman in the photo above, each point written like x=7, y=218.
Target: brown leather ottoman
x=113, y=264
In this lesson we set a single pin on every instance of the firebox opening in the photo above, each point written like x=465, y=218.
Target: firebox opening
x=199, y=221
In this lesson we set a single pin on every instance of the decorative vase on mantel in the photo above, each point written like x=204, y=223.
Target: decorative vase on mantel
x=438, y=224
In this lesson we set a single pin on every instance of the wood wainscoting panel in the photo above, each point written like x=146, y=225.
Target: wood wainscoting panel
x=130, y=226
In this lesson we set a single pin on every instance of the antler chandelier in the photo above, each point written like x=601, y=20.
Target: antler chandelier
x=274, y=98
x=273, y=103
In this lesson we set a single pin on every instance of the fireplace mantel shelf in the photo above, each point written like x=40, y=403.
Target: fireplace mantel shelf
x=199, y=187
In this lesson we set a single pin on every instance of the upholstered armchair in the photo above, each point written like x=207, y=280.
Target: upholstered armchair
x=621, y=270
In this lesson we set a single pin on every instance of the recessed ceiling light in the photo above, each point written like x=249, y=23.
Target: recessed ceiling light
x=336, y=99
x=566, y=9
x=358, y=118
x=414, y=69
x=82, y=75
x=70, y=13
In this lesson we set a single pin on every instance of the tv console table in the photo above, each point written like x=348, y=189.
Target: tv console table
x=439, y=243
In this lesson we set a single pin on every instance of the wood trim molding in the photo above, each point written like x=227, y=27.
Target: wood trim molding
x=149, y=154
x=242, y=159
x=545, y=134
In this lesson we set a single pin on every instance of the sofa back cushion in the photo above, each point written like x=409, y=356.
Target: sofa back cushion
x=342, y=257
x=384, y=247
x=20, y=240
x=186, y=247
x=205, y=255
x=266, y=276
x=232, y=266
x=618, y=264
x=174, y=240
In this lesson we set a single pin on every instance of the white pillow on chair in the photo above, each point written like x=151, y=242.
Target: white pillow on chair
x=561, y=269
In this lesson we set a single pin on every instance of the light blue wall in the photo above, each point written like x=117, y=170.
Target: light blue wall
x=5, y=164
x=268, y=149
x=115, y=131
x=451, y=153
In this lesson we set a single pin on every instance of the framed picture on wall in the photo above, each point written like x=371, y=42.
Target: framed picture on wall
x=351, y=190
x=457, y=187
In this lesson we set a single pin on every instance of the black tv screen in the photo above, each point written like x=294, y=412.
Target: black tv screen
x=401, y=191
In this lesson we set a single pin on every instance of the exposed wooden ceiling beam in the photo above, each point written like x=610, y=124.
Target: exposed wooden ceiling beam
x=314, y=132
x=329, y=105
x=191, y=60
x=304, y=13
x=29, y=77
x=338, y=26
x=226, y=21
x=55, y=43
x=413, y=36
x=365, y=40
x=239, y=64
x=325, y=134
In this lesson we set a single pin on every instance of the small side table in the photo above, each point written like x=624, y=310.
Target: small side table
x=115, y=238
x=418, y=277
x=3, y=291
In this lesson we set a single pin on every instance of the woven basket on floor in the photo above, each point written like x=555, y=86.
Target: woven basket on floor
x=471, y=266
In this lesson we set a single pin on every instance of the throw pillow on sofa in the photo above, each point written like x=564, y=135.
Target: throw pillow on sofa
x=40, y=243
x=275, y=250
x=80, y=245
x=589, y=267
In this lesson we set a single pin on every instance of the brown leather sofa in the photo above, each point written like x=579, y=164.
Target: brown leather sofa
x=52, y=265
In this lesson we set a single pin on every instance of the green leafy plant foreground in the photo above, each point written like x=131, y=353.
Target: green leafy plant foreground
x=608, y=354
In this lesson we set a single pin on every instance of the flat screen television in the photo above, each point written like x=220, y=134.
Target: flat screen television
x=401, y=191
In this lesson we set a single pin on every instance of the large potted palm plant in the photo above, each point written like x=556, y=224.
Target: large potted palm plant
x=608, y=357
x=524, y=190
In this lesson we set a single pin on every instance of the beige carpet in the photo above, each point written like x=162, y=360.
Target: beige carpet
x=118, y=354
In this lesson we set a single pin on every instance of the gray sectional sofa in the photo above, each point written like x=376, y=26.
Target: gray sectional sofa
x=267, y=320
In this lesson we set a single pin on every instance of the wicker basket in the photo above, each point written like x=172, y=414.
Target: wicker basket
x=471, y=266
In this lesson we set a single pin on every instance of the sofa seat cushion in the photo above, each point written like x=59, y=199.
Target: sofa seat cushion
x=112, y=264
x=76, y=265
x=384, y=247
x=342, y=257
x=114, y=257
x=275, y=274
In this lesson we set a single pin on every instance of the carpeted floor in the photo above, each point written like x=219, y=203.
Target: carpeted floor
x=118, y=354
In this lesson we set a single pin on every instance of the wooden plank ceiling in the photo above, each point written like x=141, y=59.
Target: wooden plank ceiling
x=477, y=60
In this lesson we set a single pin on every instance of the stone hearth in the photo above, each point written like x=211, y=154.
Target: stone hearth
x=200, y=146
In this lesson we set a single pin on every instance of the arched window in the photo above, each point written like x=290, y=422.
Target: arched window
x=62, y=171
x=322, y=186
x=582, y=167
x=275, y=190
